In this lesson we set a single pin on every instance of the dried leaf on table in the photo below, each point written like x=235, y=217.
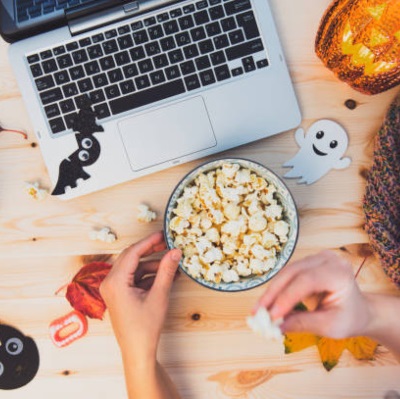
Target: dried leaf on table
x=362, y=348
x=330, y=351
x=296, y=342
x=83, y=292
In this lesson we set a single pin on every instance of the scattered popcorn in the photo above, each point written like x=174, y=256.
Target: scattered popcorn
x=146, y=215
x=262, y=324
x=105, y=234
x=229, y=225
x=34, y=191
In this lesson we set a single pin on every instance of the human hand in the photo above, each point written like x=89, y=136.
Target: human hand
x=138, y=304
x=342, y=309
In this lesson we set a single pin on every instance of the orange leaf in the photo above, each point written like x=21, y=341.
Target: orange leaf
x=296, y=342
x=330, y=351
x=362, y=348
x=83, y=292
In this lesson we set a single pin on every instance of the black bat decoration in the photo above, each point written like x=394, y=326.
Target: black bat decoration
x=88, y=152
x=19, y=358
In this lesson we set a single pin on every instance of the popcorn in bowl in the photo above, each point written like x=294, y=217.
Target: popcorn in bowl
x=229, y=224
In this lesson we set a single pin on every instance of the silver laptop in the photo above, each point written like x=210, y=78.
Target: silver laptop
x=151, y=83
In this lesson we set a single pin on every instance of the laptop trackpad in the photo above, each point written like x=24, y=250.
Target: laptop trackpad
x=167, y=133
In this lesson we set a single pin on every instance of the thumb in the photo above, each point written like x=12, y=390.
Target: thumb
x=166, y=273
x=316, y=322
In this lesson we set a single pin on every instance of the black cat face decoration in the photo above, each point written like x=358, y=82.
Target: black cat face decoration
x=19, y=358
x=88, y=152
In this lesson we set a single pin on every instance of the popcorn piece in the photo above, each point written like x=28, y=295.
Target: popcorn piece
x=260, y=252
x=203, y=245
x=212, y=255
x=213, y=235
x=145, y=215
x=281, y=229
x=229, y=169
x=231, y=210
x=242, y=267
x=257, y=222
x=262, y=324
x=178, y=224
x=184, y=208
x=274, y=211
x=105, y=235
x=229, y=276
x=243, y=176
x=35, y=192
x=214, y=273
x=193, y=266
x=269, y=240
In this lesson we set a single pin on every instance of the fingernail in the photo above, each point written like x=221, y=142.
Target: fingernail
x=176, y=255
x=274, y=312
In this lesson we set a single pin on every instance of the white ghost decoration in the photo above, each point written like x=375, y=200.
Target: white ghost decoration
x=321, y=150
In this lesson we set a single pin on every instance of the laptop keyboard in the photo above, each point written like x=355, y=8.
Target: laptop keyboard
x=30, y=9
x=187, y=48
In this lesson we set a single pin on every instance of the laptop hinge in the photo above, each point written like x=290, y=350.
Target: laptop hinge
x=95, y=14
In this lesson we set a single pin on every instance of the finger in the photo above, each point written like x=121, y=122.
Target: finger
x=284, y=277
x=166, y=274
x=148, y=267
x=312, y=322
x=129, y=259
x=309, y=282
x=156, y=248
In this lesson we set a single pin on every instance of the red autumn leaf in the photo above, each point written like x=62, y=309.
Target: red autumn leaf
x=83, y=292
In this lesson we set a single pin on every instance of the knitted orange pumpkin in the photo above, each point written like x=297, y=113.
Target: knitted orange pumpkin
x=359, y=40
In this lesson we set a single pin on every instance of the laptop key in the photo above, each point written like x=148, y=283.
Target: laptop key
x=107, y=63
x=201, y=4
x=137, y=25
x=186, y=22
x=140, y=37
x=80, y=101
x=64, y=61
x=182, y=38
x=168, y=43
x=102, y=111
x=218, y=58
x=157, y=77
x=51, y=96
x=142, y=82
x=125, y=42
x=110, y=46
x=70, y=90
x=152, y=48
x=192, y=82
x=222, y=72
x=202, y=62
x=160, y=61
x=122, y=58
x=92, y=67
x=115, y=75
x=237, y=71
x=171, y=27
x=206, y=46
x=188, y=9
x=57, y=125
x=59, y=50
x=110, y=34
x=33, y=58
x=145, y=66
x=44, y=55
x=100, y=80
x=79, y=56
x=124, y=29
x=85, y=85
x=228, y=24
x=130, y=71
x=70, y=119
x=236, y=36
x=172, y=72
x=213, y=29
x=98, y=38
x=67, y=106
x=112, y=91
x=162, y=17
x=175, y=13
x=85, y=42
x=127, y=87
x=187, y=67
x=175, y=56
x=155, y=32
x=72, y=46
x=248, y=64
x=52, y=111
x=216, y=13
x=95, y=51
x=97, y=96
x=149, y=21
x=190, y=51
x=49, y=66
x=244, y=49
x=248, y=22
x=36, y=70
x=207, y=77
x=44, y=83
x=234, y=7
x=201, y=17
x=76, y=72
x=262, y=63
x=156, y=93
x=221, y=41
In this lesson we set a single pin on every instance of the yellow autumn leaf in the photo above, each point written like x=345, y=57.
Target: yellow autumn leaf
x=330, y=351
x=362, y=348
x=296, y=342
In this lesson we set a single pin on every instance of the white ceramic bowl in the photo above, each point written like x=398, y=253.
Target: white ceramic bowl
x=290, y=215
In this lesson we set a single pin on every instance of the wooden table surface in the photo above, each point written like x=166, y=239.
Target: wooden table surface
x=43, y=244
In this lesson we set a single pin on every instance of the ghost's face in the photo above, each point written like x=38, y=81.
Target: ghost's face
x=327, y=139
x=19, y=358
